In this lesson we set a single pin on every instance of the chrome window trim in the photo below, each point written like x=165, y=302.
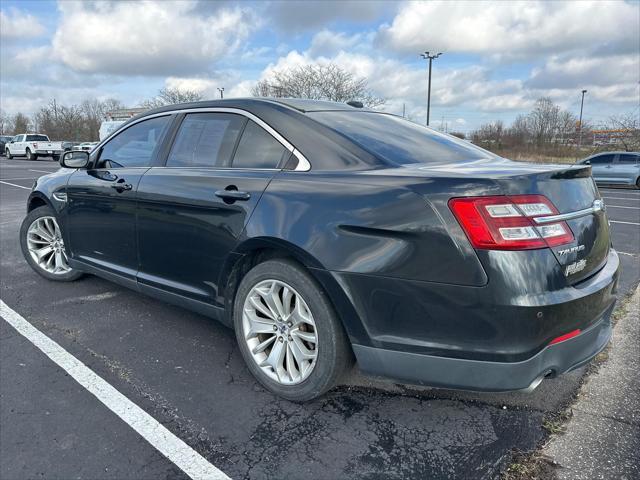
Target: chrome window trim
x=303, y=163
x=598, y=206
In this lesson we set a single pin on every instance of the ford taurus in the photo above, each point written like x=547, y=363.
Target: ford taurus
x=323, y=233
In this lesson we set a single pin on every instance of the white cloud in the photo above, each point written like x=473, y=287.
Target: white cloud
x=147, y=37
x=513, y=28
x=18, y=24
x=577, y=72
x=293, y=16
x=327, y=42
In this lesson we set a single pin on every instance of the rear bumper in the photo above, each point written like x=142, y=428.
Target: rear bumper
x=470, y=338
x=48, y=152
x=483, y=375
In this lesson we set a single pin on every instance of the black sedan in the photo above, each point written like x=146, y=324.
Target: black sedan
x=323, y=233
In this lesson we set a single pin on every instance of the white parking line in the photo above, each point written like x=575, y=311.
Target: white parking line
x=626, y=223
x=621, y=206
x=42, y=171
x=14, y=185
x=630, y=254
x=22, y=178
x=621, y=198
x=181, y=454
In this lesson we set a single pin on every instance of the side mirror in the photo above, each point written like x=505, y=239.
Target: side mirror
x=75, y=159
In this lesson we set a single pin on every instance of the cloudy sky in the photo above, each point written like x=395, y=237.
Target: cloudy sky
x=499, y=57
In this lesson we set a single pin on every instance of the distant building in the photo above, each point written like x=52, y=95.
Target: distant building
x=123, y=114
x=613, y=136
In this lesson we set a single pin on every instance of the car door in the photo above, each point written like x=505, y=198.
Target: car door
x=100, y=216
x=627, y=168
x=601, y=167
x=19, y=145
x=192, y=211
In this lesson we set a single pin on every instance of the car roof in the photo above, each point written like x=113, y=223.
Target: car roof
x=298, y=104
x=613, y=153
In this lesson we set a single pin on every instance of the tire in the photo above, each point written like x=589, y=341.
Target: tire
x=31, y=156
x=9, y=157
x=47, y=215
x=56, y=158
x=638, y=183
x=331, y=349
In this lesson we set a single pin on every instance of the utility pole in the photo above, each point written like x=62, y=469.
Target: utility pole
x=580, y=123
x=429, y=57
x=221, y=90
x=403, y=109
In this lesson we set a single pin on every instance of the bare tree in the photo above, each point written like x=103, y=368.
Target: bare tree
x=318, y=82
x=94, y=112
x=21, y=123
x=170, y=96
x=626, y=128
x=6, y=127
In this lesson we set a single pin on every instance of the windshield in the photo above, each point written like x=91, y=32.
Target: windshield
x=37, y=138
x=398, y=140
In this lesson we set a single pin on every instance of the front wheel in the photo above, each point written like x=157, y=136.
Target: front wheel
x=638, y=183
x=43, y=247
x=8, y=153
x=287, y=331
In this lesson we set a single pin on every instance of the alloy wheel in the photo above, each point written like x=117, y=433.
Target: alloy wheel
x=280, y=332
x=46, y=247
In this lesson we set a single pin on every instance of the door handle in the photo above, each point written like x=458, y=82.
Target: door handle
x=122, y=186
x=233, y=195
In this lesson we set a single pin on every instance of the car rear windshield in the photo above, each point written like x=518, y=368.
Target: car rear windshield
x=37, y=138
x=397, y=140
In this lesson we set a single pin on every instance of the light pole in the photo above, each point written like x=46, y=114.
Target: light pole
x=221, y=90
x=580, y=122
x=426, y=56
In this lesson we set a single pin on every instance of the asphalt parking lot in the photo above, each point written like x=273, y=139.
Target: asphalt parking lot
x=186, y=372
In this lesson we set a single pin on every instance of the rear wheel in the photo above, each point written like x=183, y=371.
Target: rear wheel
x=288, y=332
x=638, y=183
x=43, y=247
x=31, y=156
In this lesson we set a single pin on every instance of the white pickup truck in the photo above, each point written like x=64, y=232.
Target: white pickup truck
x=33, y=146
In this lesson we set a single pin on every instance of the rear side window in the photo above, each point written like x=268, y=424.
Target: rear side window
x=37, y=138
x=205, y=140
x=628, y=158
x=258, y=149
x=602, y=159
x=135, y=146
x=397, y=140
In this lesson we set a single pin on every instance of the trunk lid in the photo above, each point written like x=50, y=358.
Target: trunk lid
x=569, y=187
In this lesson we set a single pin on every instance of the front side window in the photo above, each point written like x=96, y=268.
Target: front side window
x=601, y=160
x=205, y=140
x=135, y=146
x=628, y=158
x=258, y=149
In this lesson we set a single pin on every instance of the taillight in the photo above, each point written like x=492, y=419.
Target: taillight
x=35, y=145
x=505, y=222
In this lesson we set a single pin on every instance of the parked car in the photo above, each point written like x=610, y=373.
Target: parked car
x=68, y=146
x=615, y=168
x=319, y=232
x=33, y=146
x=4, y=139
x=86, y=146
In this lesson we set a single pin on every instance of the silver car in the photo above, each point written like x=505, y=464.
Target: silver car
x=615, y=168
